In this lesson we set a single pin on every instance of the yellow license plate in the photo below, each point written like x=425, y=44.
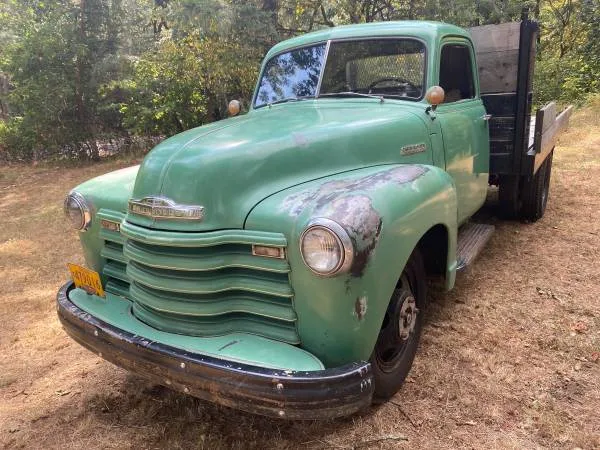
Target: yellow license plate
x=86, y=279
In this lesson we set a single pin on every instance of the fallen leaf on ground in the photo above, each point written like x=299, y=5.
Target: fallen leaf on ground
x=580, y=327
x=470, y=423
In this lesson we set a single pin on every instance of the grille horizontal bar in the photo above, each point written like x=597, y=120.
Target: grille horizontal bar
x=117, y=287
x=216, y=304
x=113, y=252
x=116, y=270
x=212, y=282
x=201, y=258
x=231, y=323
x=205, y=239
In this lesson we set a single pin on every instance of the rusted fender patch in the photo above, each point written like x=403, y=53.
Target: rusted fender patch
x=295, y=203
x=360, y=307
x=347, y=203
x=360, y=220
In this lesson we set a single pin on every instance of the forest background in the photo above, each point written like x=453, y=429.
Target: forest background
x=83, y=78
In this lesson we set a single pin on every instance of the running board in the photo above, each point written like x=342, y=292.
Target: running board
x=472, y=237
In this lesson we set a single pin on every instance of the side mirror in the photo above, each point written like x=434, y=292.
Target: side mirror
x=434, y=96
x=234, y=107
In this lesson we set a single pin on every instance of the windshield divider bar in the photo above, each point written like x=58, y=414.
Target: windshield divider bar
x=318, y=91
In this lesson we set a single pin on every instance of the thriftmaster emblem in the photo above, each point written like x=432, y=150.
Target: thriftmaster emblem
x=164, y=208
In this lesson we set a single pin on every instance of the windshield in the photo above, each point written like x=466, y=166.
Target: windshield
x=291, y=75
x=392, y=68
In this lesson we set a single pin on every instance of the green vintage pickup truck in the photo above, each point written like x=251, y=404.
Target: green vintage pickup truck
x=278, y=261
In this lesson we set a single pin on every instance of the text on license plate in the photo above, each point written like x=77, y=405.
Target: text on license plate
x=86, y=279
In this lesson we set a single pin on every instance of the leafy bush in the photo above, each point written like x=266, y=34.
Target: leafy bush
x=17, y=140
x=209, y=54
x=184, y=84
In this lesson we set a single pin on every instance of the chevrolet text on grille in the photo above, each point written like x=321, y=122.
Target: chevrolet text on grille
x=164, y=208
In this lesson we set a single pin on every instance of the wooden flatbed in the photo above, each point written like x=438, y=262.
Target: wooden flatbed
x=521, y=143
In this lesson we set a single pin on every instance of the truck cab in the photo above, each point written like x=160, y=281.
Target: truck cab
x=278, y=261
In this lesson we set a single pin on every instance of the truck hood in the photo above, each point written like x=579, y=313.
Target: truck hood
x=228, y=167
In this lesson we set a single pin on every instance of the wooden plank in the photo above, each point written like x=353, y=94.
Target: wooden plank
x=545, y=119
x=549, y=115
x=497, y=52
x=496, y=38
x=546, y=141
x=498, y=71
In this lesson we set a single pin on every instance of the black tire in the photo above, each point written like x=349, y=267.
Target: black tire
x=536, y=192
x=397, y=344
x=508, y=196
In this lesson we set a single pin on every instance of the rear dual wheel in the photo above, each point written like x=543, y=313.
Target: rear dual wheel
x=400, y=332
x=536, y=191
x=526, y=198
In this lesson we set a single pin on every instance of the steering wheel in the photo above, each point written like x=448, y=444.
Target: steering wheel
x=400, y=81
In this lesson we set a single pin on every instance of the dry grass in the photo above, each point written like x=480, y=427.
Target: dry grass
x=508, y=359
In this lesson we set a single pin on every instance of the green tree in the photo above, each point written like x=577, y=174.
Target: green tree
x=185, y=83
x=568, y=65
x=58, y=56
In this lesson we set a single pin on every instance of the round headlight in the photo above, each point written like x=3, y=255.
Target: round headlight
x=77, y=211
x=326, y=248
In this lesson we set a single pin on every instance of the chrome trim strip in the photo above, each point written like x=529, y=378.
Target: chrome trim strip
x=318, y=89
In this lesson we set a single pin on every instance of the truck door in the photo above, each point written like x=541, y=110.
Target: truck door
x=464, y=126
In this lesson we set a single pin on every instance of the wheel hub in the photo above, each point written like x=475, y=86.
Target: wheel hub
x=407, y=317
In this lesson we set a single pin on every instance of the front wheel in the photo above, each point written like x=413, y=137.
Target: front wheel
x=400, y=332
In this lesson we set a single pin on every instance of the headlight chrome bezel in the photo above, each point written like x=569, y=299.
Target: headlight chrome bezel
x=343, y=240
x=86, y=215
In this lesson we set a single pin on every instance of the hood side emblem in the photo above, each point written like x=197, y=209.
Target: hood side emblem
x=412, y=149
x=164, y=208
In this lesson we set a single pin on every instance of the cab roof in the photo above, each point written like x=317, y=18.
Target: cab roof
x=427, y=31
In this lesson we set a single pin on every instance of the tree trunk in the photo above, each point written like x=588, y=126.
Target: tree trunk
x=79, y=105
x=3, y=94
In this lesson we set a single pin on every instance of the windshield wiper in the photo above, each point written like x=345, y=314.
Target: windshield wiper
x=350, y=94
x=288, y=99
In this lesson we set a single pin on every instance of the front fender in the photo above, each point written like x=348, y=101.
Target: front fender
x=385, y=210
x=110, y=191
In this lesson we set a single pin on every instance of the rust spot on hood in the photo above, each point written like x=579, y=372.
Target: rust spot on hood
x=325, y=193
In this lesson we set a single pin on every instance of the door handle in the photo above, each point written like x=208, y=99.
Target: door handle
x=486, y=117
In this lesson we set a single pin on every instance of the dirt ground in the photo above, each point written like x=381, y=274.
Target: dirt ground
x=509, y=358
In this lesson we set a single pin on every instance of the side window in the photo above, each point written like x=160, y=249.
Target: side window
x=456, y=73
